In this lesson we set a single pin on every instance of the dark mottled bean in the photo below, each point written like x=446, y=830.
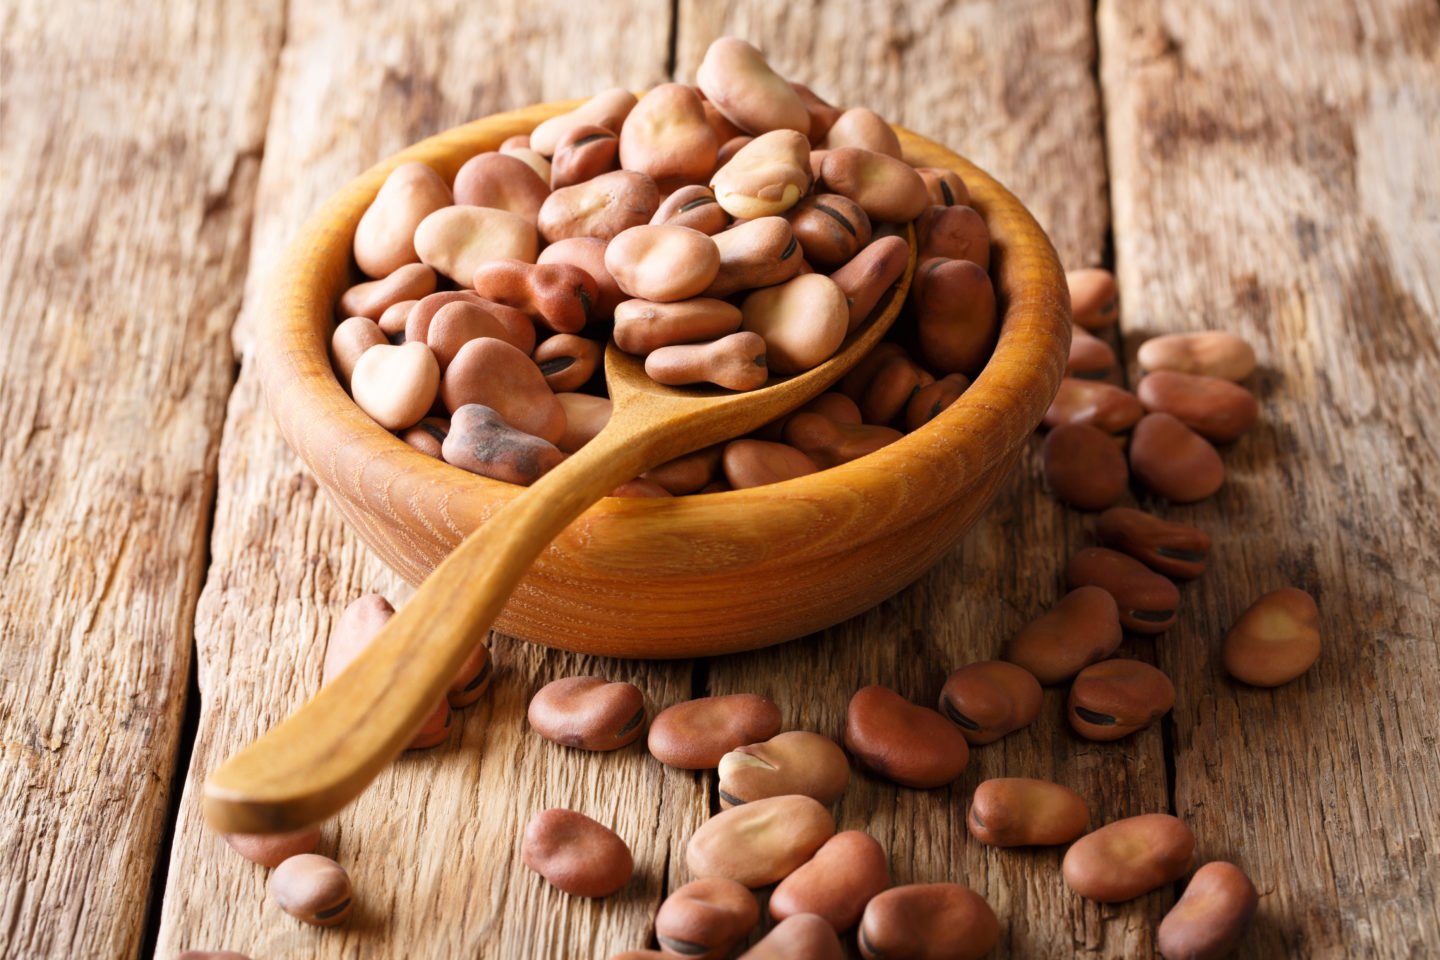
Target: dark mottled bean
x=482, y=441
x=1020, y=812
x=1084, y=467
x=1174, y=461
x=588, y=713
x=761, y=842
x=694, y=735
x=928, y=921
x=1129, y=858
x=1146, y=600
x=1114, y=698
x=1165, y=546
x=313, y=889
x=839, y=880
x=990, y=699
x=1275, y=640
x=1211, y=915
x=1083, y=628
x=904, y=742
x=576, y=854
x=705, y=919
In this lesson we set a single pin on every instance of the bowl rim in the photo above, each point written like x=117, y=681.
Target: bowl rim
x=333, y=436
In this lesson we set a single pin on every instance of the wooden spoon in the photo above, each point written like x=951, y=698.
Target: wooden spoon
x=319, y=759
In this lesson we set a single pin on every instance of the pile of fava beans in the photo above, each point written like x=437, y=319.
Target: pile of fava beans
x=778, y=787
x=728, y=232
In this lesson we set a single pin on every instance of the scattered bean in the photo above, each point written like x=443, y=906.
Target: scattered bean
x=1211, y=915
x=1218, y=410
x=313, y=889
x=802, y=321
x=869, y=274
x=1098, y=404
x=559, y=296
x=482, y=441
x=694, y=735
x=1115, y=698
x=385, y=236
x=1083, y=628
x=372, y=298
x=953, y=302
x=705, y=919
x=1174, y=461
x=491, y=372
x=990, y=699
x=928, y=921
x=1084, y=467
x=1128, y=858
x=273, y=849
x=759, y=843
x=695, y=207
x=662, y=263
x=642, y=326
x=1209, y=354
x=588, y=713
x=351, y=339
x=599, y=208
x=800, y=935
x=887, y=188
x=1020, y=812
x=1094, y=298
x=396, y=386
x=1275, y=640
x=1090, y=357
x=575, y=854
x=735, y=77
x=758, y=253
x=1165, y=546
x=503, y=182
x=735, y=362
x=1146, y=600
x=901, y=741
x=607, y=109
x=795, y=762
x=843, y=876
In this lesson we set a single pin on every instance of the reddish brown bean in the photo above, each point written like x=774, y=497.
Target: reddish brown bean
x=1098, y=404
x=1114, y=698
x=888, y=394
x=667, y=138
x=599, y=208
x=588, y=713
x=1083, y=628
x=953, y=303
x=869, y=274
x=1019, y=812
x=482, y=441
x=642, y=326
x=945, y=186
x=831, y=229
x=1084, y=467
x=955, y=233
x=822, y=114
x=503, y=182
x=1211, y=915
x=928, y=921
x=1174, y=461
x=736, y=362
x=575, y=854
x=694, y=735
x=758, y=253
x=427, y=436
x=1275, y=640
x=928, y=401
x=756, y=463
x=1090, y=357
x=662, y=263
x=1218, y=410
x=839, y=880
x=687, y=474
x=567, y=361
x=1165, y=546
x=990, y=699
x=374, y=297
x=350, y=340
x=801, y=935
x=639, y=487
x=607, y=109
x=695, y=207
x=1094, y=298
x=457, y=323
x=830, y=443
x=491, y=372
x=313, y=889
x=901, y=741
x=795, y=762
x=1128, y=858
x=761, y=842
x=705, y=919
x=273, y=849
x=519, y=328
x=558, y=295
x=582, y=154
x=886, y=187
x=864, y=128
x=1211, y=353
x=385, y=236
x=588, y=254
x=1146, y=600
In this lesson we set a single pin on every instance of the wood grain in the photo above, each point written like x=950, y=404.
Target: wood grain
x=1267, y=167
x=1011, y=84
x=127, y=170
x=433, y=847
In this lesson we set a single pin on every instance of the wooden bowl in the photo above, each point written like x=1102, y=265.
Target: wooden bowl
x=687, y=576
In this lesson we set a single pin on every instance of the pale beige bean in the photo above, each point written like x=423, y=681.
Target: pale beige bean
x=695, y=207
x=761, y=842
x=928, y=921
x=757, y=253
x=1211, y=915
x=803, y=321
x=662, y=263
x=667, y=138
x=736, y=362
x=482, y=441
x=705, y=919
x=843, y=876
x=531, y=159
x=794, y=762
x=576, y=854
x=642, y=326
x=1128, y=858
x=273, y=849
x=869, y=274
x=803, y=935
x=503, y=182
x=599, y=208
x=585, y=417
x=1276, y=640
x=588, y=254
x=694, y=735
x=864, y=128
x=493, y=373
x=607, y=109
x=520, y=141
x=588, y=713
x=1020, y=812
x=372, y=298
x=352, y=338
x=456, y=240
x=392, y=322
x=755, y=463
x=567, y=361
x=887, y=188
x=735, y=77
x=313, y=889
x=385, y=236
x=396, y=386
x=766, y=177
x=1211, y=353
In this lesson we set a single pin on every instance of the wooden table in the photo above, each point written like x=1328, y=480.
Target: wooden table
x=170, y=573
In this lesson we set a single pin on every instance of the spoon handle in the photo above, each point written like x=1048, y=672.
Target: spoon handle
x=320, y=759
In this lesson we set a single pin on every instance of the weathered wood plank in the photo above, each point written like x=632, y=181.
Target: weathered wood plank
x=433, y=846
x=1269, y=178
x=1012, y=86
x=127, y=169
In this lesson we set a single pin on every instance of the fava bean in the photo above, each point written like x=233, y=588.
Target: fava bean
x=599, y=208
x=945, y=186
x=845, y=873
x=585, y=417
x=472, y=680
x=455, y=241
x=607, y=109
x=802, y=321
x=351, y=339
x=1129, y=858
x=491, y=372
x=800, y=935
x=519, y=329
x=694, y=735
x=273, y=849
x=1094, y=298
x=1098, y=404
x=928, y=401
x=1174, y=461
x=385, y=235
x=705, y=919
x=583, y=154
x=953, y=302
x=759, y=843
x=1218, y=410
x=687, y=474
x=372, y=298
x=1114, y=698
x=567, y=361
x=756, y=463
x=588, y=713
x=831, y=229
x=887, y=395
x=1084, y=467
x=955, y=232
x=393, y=321
x=1090, y=357
x=887, y=188
x=1275, y=640
x=990, y=699
x=482, y=441
x=503, y=182
x=795, y=762
x=928, y=921
x=1020, y=812
x=695, y=207
x=758, y=253
x=1212, y=353
x=588, y=254
x=395, y=385
x=662, y=263
x=1165, y=546
x=1083, y=628
x=1211, y=915
x=869, y=274
x=531, y=159
x=736, y=79
x=667, y=138
x=456, y=324
x=1146, y=601
x=822, y=114
x=642, y=326
x=427, y=436
x=558, y=296
x=313, y=889
x=736, y=362
x=729, y=148
x=765, y=177
x=903, y=742
x=831, y=443
x=725, y=131
x=864, y=128
x=576, y=854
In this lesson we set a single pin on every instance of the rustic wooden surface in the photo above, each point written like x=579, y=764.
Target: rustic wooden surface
x=1269, y=170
